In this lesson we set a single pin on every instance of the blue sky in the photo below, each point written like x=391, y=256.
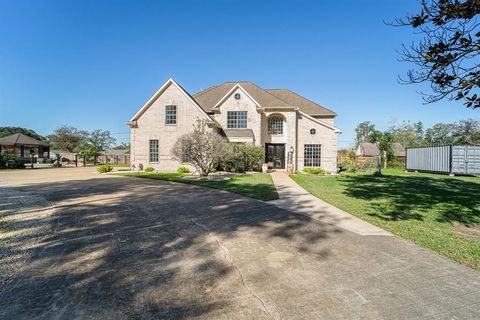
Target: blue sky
x=92, y=64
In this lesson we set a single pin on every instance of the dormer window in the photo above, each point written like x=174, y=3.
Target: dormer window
x=275, y=125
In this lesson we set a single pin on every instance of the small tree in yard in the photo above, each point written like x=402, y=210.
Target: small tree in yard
x=96, y=142
x=202, y=148
x=384, y=141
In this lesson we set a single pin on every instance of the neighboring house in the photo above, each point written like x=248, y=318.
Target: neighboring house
x=21, y=145
x=115, y=156
x=367, y=149
x=290, y=127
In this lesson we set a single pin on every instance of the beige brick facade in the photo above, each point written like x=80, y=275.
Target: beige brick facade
x=149, y=124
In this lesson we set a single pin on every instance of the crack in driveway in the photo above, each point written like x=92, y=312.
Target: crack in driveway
x=229, y=259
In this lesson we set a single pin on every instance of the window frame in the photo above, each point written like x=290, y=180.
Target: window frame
x=271, y=125
x=151, y=154
x=170, y=118
x=312, y=155
x=233, y=122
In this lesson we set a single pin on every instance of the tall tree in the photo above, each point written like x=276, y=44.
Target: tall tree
x=447, y=56
x=99, y=140
x=363, y=132
x=384, y=141
x=407, y=134
x=122, y=146
x=439, y=134
x=67, y=138
x=96, y=142
x=466, y=132
x=6, y=131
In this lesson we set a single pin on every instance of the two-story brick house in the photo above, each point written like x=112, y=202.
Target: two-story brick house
x=291, y=128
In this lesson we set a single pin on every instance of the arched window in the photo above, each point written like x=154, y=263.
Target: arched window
x=275, y=125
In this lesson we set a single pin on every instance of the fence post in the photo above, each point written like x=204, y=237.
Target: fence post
x=450, y=164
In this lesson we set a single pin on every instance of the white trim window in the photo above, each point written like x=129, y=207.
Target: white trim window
x=236, y=119
x=275, y=125
x=170, y=115
x=153, y=148
x=312, y=154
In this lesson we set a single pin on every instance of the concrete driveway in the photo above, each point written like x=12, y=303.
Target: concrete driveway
x=130, y=248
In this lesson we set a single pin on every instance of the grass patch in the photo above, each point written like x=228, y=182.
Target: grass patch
x=428, y=209
x=258, y=185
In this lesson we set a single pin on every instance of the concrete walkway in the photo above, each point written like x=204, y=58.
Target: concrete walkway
x=295, y=198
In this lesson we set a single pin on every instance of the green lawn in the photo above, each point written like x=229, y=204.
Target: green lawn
x=257, y=185
x=438, y=212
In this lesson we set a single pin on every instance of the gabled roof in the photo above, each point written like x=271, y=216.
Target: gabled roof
x=21, y=139
x=211, y=97
x=159, y=92
x=270, y=98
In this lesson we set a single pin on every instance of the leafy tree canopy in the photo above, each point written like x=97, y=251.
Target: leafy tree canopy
x=447, y=55
x=363, y=132
x=67, y=138
x=6, y=131
x=122, y=146
x=98, y=141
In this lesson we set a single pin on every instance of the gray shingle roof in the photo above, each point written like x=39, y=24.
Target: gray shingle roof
x=371, y=149
x=305, y=105
x=266, y=98
x=21, y=139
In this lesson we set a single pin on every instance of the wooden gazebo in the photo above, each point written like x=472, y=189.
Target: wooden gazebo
x=22, y=146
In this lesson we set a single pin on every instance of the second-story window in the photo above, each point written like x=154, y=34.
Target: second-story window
x=275, y=125
x=237, y=119
x=170, y=114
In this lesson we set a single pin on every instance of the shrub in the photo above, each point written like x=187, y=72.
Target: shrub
x=10, y=161
x=105, y=168
x=183, y=170
x=344, y=166
x=149, y=169
x=243, y=158
x=396, y=162
x=315, y=171
x=213, y=170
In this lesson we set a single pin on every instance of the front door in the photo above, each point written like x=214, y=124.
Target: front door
x=275, y=155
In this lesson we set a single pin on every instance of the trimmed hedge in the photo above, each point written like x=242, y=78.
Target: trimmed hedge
x=315, y=171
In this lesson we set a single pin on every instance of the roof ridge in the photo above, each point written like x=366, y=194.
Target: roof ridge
x=204, y=91
x=265, y=90
x=309, y=100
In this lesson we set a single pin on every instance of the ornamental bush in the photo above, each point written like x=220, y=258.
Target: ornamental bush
x=149, y=169
x=104, y=168
x=183, y=170
x=243, y=158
